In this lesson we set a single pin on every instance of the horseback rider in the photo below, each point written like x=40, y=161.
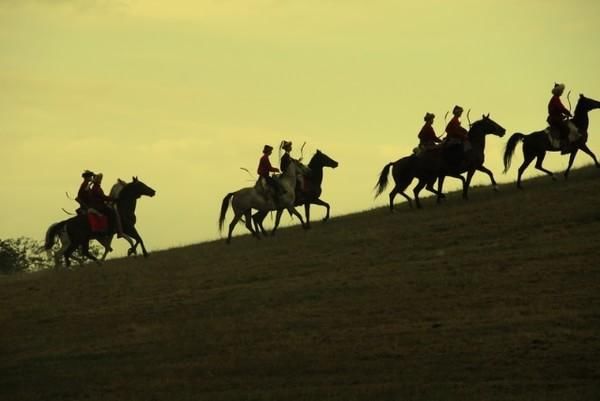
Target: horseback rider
x=427, y=138
x=457, y=138
x=98, y=205
x=84, y=193
x=558, y=114
x=286, y=159
x=265, y=169
x=456, y=133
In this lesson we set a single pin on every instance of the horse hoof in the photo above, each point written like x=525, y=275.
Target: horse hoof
x=496, y=189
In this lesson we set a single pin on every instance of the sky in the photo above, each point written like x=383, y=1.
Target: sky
x=185, y=93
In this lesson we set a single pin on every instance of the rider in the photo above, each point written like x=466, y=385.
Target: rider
x=265, y=169
x=457, y=136
x=98, y=200
x=286, y=159
x=84, y=194
x=427, y=138
x=558, y=114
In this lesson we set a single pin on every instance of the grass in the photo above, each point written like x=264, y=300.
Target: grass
x=497, y=298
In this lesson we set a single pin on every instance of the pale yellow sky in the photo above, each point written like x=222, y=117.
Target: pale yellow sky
x=184, y=93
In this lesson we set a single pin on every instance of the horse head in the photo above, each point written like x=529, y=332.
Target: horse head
x=587, y=104
x=137, y=188
x=487, y=126
x=320, y=159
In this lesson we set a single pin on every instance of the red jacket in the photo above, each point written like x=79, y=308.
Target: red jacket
x=455, y=130
x=427, y=135
x=556, y=110
x=264, y=167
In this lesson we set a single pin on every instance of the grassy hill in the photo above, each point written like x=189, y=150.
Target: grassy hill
x=496, y=298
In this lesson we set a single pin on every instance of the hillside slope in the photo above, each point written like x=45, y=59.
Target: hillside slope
x=496, y=298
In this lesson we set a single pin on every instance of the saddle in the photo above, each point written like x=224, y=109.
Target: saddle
x=265, y=190
x=554, y=136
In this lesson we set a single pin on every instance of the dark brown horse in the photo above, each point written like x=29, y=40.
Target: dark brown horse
x=536, y=144
x=438, y=163
x=80, y=234
x=311, y=193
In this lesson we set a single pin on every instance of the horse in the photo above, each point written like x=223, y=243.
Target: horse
x=536, y=144
x=433, y=165
x=244, y=200
x=309, y=194
x=79, y=232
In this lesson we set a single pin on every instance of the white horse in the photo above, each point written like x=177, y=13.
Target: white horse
x=257, y=197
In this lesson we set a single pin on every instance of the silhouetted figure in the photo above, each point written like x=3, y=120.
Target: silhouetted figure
x=558, y=115
x=265, y=169
x=286, y=159
x=84, y=197
x=428, y=140
x=457, y=138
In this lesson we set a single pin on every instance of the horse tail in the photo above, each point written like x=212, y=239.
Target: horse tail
x=224, y=206
x=382, y=182
x=510, y=149
x=52, y=232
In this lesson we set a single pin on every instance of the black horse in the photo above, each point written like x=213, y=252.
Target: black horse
x=80, y=234
x=437, y=163
x=536, y=144
x=311, y=193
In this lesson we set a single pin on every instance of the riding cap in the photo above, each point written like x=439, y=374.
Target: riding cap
x=429, y=116
x=267, y=148
x=457, y=109
x=558, y=89
x=87, y=174
x=285, y=145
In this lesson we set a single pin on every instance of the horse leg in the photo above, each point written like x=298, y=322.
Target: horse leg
x=571, y=160
x=591, y=154
x=64, y=245
x=106, y=242
x=67, y=255
x=470, y=174
x=135, y=235
x=538, y=166
x=526, y=162
x=392, y=195
x=248, y=218
x=85, y=250
x=232, y=225
x=258, y=218
x=416, y=191
x=431, y=189
x=277, y=219
x=484, y=169
x=440, y=186
x=292, y=210
x=326, y=205
x=307, y=214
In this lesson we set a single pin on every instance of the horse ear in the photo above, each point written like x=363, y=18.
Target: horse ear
x=488, y=115
x=581, y=95
x=134, y=178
